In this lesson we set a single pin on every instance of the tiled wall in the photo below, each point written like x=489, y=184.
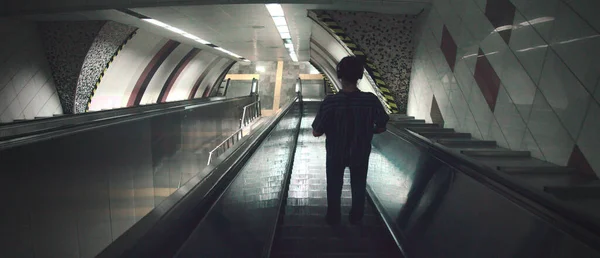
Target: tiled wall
x=522, y=72
x=27, y=89
x=387, y=41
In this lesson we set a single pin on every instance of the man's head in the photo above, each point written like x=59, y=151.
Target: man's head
x=350, y=69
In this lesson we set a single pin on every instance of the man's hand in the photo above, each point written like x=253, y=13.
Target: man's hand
x=317, y=134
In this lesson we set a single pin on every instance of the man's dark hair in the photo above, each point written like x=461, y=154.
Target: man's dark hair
x=350, y=68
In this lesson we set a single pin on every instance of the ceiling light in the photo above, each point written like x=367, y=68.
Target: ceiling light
x=260, y=69
x=190, y=36
x=294, y=57
x=279, y=21
x=289, y=45
x=176, y=30
x=155, y=22
x=201, y=41
x=285, y=35
x=275, y=9
x=282, y=29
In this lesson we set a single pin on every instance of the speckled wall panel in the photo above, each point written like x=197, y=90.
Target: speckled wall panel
x=67, y=45
x=387, y=41
x=105, y=46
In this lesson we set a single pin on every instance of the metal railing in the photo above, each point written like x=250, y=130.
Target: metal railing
x=225, y=145
x=249, y=114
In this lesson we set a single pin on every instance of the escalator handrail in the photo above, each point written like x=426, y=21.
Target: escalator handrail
x=72, y=128
x=196, y=194
x=571, y=221
x=29, y=127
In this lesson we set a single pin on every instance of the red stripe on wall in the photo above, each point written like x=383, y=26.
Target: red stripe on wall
x=149, y=71
x=202, y=76
x=164, y=93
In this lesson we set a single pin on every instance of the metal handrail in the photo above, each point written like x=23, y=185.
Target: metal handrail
x=255, y=113
x=230, y=141
x=237, y=135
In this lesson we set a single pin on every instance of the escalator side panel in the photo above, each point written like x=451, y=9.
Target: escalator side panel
x=442, y=212
x=238, y=224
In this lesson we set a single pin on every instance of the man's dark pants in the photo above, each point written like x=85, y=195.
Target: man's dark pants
x=358, y=180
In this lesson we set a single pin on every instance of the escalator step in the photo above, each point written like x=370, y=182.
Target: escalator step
x=537, y=170
x=497, y=154
x=466, y=143
x=446, y=135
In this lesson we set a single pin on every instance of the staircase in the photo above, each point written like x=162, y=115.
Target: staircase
x=562, y=182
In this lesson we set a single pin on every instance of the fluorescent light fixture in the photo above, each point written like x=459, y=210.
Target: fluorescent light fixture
x=155, y=22
x=282, y=29
x=275, y=9
x=279, y=21
x=289, y=45
x=176, y=30
x=201, y=41
x=228, y=52
x=260, y=69
x=294, y=57
x=246, y=60
x=285, y=35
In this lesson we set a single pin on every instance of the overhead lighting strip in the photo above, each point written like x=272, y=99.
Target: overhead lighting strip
x=278, y=16
x=193, y=37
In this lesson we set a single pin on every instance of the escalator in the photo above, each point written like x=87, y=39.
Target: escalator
x=422, y=202
x=255, y=203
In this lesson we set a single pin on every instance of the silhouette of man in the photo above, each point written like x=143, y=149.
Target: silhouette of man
x=348, y=119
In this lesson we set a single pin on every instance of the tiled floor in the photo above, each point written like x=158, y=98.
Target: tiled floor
x=304, y=232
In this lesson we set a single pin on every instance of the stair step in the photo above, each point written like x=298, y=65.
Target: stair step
x=584, y=191
x=409, y=121
x=536, y=170
x=467, y=143
x=430, y=129
x=415, y=125
x=498, y=154
x=403, y=118
x=445, y=135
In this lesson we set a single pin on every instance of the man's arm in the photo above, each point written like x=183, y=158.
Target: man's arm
x=318, y=124
x=381, y=117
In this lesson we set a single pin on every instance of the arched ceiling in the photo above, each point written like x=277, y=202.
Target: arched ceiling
x=244, y=29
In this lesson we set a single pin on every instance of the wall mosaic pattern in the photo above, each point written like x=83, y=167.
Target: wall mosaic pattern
x=387, y=41
x=104, y=48
x=66, y=44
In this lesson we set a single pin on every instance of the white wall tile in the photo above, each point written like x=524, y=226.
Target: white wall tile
x=14, y=110
x=539, y=10
x=517, y=83
x=481, y=4
x=554, y=141
x=435, y=24
x=529, y=144
x=578, y=45
x=588, y=9
x=471, y=126
x=481, y=111
x=495, y=133
x=589, y=139
x=567, y=97
x=494, y=48
x=475, y=21
x=528, y=46
x=6, y=96
x=509, y=119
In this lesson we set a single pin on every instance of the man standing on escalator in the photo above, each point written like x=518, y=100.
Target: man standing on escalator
x=348, y=119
